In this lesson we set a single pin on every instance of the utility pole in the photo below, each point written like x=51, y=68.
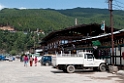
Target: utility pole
x=111, y=25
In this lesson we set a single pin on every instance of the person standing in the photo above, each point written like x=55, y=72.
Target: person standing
x=25, y=60
x=35, y=60
x=31, y=61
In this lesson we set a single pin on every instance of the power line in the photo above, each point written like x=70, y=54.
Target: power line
x=116, y=8
x=118, y=4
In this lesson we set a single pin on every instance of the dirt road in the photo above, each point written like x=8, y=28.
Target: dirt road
x=15, y=72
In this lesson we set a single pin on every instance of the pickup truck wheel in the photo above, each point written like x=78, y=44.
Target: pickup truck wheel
x=70, y=69
x=102, y=68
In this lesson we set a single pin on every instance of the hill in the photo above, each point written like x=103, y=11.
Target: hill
x=91, y=15
x=50, y=19
x=32, y=19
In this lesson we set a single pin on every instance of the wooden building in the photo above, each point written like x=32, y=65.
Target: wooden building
x=81, y=37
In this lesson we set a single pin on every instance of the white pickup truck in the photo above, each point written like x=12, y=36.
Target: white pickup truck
x=82, y=60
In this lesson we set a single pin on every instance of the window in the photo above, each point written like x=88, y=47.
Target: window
x=89, y=56
x=64, y=41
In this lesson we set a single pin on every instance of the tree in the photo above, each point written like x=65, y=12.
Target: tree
x=13, y=52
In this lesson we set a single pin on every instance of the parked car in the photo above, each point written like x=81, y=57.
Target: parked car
x=11, y=58
x=7, y=58
x=46, y=60
x=2, y=57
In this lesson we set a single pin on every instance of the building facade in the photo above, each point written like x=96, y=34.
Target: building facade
x=81, y=38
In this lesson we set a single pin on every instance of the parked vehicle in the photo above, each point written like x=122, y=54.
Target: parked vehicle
x=7, y=58
x=82, y=60
x=2, y=57
x=11, y=58
x=46, y=60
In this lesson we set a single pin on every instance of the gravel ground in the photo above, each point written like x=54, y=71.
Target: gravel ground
x=15, y=72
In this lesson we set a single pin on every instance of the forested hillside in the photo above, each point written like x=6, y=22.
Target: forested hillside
x=34, y=18
x=50, y=19
x=18, y=42
x=91, y=15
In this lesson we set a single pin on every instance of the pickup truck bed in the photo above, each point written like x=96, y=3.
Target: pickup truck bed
x=66, y=60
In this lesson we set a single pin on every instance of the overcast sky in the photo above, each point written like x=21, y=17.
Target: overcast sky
x=60, y=4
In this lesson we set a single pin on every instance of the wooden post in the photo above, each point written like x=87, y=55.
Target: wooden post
x=111, y=25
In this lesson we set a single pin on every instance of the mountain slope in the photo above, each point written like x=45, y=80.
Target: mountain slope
x=33, y=19
x=90, y=15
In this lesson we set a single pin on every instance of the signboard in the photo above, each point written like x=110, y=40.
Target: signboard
x=96, y=43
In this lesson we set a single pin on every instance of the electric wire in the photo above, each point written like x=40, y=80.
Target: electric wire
x=117, y=4
x=119, y=7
